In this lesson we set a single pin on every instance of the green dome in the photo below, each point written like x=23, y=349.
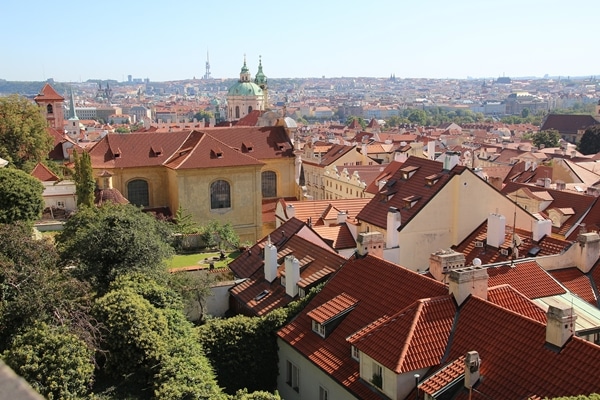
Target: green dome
x=245, y=89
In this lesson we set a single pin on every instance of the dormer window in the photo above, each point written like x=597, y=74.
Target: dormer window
x=410, y=201
x=408, y=172
x=248, y=147
x=216, y=153
x=432, y=179
x=354, y=353
x=318, y=328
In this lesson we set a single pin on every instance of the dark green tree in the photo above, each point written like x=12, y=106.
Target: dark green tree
x=206, y=115
x=418, y=117
x=105, y=242
x=590, y=141
x=84, y=179
x=24, y=138
x=34, y=289
x=55, y=362
x=20, y=196
x=547, y=138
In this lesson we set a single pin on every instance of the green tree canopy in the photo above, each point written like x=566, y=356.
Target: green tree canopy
x=55, y=362
x=33, y=288
x=547, y=138
x=114, y=239
x=24, y=138
x=85, y=184
x=20, y=196
x=590, y=141
x=222, y=236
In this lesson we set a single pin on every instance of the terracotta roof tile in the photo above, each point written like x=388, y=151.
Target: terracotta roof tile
x=339, y=235
x=48, y=94
x=424, y=326
x=577, y=282
x=527, y=277
x=340, y=304
x=509, y=298
x=370, y=280
x=445, y=376
x=41, y=172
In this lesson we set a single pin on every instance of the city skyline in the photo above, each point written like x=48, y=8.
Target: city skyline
x=74, y=42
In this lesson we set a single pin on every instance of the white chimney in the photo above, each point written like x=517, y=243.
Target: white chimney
x=560, y=324
x=588, y=251
x=393, y=223
x=370, y=242
x=270, y=261
x=443, y=261
x=468, y=281
x=292, y=275
x=431, y=149
x=540, y=228
x=290, y=211
x=472, y=363
x=496, y=225
x=341, y=217
x=381, y=184
x=364, y=150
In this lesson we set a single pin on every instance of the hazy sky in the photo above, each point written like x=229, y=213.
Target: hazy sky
x=169, y=40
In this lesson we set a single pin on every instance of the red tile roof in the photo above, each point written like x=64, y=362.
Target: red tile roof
x=568, y=124
x=318, y=211
x=339, y=236
x=340, y=304
x=577, y=282
x=474, y=245
x=506, y=296
x=424, y=328
x=370, y=280
x=48, y=94
x=447, y=375
x=41, y=172
x=515, y=362
x=375, y=212
x=527, y=277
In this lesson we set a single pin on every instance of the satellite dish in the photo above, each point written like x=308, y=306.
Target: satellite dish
x=476, y=262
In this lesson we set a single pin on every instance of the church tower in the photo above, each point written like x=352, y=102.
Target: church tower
x=73, y=129
x=51, y=104
x=244, y=96
x=261, y=81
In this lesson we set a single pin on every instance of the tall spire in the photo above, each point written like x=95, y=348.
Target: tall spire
x=207, y=73
x=245, y=72
x=72, y=113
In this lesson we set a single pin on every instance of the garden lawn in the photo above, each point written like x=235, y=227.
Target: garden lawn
x=198, y=259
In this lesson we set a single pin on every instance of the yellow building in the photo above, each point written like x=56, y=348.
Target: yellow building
x=221, y=174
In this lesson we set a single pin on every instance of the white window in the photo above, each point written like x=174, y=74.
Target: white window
x=355, y=353
x=377, y=378
x=323, y=393
x=292, y=377
x=318, y=328
x=60, y=204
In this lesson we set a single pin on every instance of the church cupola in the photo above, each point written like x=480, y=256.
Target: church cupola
x=261, y=78
x=245, y=72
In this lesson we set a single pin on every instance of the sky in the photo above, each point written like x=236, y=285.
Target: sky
x=73, y=41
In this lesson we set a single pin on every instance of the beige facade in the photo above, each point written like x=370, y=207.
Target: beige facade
x=449, y=217
x=339, y=184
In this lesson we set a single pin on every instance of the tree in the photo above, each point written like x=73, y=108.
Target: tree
x=114, y=239
x=360, y=120
x=24, y=138
x=55, y=362
x=34, y=289
x=590, y=141
x=547, y=138
x=418, y=117
x=216, y=234
x=20, y=196
x=84, y=179
x=203, y=115
x=150, y=345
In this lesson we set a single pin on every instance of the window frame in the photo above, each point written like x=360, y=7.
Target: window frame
x=216, y=203
x=136, y=193
x=268, y=183
x=292, y=375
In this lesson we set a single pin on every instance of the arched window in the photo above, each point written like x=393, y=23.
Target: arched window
x=137, y=192
x=269, y=184
x=237, y=111
x=49, y=109
x=249, y=109
x=220, y=195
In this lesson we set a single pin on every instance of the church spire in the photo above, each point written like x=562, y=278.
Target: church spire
x=72, y=113
x=245, y=72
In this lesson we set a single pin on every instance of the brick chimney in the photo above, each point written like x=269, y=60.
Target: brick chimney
x=394, y=220
x=468, y=281
x=443, y=261
x=370, y=242
x=560, y=324
x=292, y=275
x=496, y=225
x=472, y=363
x=270, y=261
